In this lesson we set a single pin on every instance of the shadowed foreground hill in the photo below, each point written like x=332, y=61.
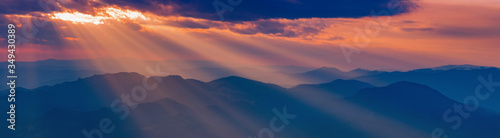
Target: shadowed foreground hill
x=340, y=88
x=423, y=107
x=234, y=107
x=456, y=82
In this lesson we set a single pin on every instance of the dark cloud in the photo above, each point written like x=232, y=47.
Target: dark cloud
x=32, y=29
x=264, y=27
x=411, y=29
x=229, y=10
x=282, y=28
x=409, y=21
x=47, y=6
x=252, y=10
x=84, y=6
x=337, y=38
x=468, y=32
x=20, y=6
x=203, y=24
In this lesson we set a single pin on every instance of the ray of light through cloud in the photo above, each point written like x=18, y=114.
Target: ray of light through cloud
x=130, y=37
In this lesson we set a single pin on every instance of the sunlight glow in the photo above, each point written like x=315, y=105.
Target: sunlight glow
x=124, y=14
x=105, y=14
x=77, y=17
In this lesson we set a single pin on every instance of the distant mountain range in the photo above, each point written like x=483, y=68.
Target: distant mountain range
x=240, y=107
x=459, y=67
x=454, y=81
x=51, y=72
x=327, y=74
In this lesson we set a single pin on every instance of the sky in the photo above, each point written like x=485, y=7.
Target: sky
x=370, y=34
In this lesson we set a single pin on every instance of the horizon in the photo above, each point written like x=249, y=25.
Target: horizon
x=315, y=67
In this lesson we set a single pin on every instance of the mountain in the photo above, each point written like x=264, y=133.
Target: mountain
x=50, y=72
x=458, y=67
x=328, y=74
x=238, y=87
x=456, y=84
x=35, y=77
x=100, y=91
x=234, y=107
x=227, y=107
x=402, y=95
x=338, y=88
x=424, y=108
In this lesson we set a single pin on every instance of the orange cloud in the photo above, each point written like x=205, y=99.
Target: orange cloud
x=436, y=30
x=71, y=38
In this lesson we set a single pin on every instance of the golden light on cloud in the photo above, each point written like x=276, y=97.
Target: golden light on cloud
x=71, y=38
x=422, y=31
x=78, y=17
x=105, y=14
x=124, y=14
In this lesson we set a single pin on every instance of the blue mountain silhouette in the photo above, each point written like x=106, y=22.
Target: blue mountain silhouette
x=233, y=107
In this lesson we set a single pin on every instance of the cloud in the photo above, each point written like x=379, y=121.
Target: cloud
x=469, y=32
x=192, y=23
x=22, y=7
x=306, y=28
x=19, y=6
x=417, y=29
x=252, y=10
x=278, y=18
x=33, y=29
x=229, y=10
x=272, y=17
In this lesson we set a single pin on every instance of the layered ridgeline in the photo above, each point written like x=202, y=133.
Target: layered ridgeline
x=51, y=72
x=455, y=82
x=132, y=105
